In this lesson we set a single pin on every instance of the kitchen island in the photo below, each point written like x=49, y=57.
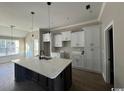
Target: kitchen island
x=53, y=74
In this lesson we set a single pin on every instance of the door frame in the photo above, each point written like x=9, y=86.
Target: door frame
x=106, y=75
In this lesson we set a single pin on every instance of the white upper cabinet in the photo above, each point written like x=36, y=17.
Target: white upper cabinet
x=58, y=40
x=46, y=37
x=73, y=39
x=66, y=36
x=77, y=39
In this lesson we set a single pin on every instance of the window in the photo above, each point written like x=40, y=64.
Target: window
x=29, y=49
x=9, y=47
x=36, y=47
x=12, y=47
x=2, y=47
x=32, y=48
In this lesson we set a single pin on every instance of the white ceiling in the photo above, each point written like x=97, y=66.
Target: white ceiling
x=18, y=14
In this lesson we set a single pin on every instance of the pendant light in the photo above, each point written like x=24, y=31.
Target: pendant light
x=32, y=13
x=11, y=42
x=11, y=27
x=49, y=3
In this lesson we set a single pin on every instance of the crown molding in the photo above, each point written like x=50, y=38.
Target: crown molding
x=101, y=12
x=83, y=23
x=74, y=25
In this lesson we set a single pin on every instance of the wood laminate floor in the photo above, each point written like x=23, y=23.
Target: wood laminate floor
x=81, y=81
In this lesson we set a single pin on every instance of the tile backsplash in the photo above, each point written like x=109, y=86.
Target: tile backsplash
x=67, y=49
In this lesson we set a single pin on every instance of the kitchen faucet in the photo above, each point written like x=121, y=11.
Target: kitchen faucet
x=41, y=54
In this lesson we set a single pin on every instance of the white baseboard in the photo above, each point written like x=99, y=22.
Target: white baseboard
x=103, y=75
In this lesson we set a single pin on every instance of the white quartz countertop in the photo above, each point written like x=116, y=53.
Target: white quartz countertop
x=49, y=68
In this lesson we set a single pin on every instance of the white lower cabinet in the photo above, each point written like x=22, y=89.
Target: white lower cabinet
x=77, y=60
x=91, y=60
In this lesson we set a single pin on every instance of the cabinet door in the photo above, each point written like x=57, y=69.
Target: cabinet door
x=74, y=61
x=43, y=81
x=77, y=39
x=82, y=61
x=46, y=37
x=19, y=73
x=73, y=39
x=87, y=49
x=77, y=61
x=92, y=48
x=55, y=40
x=80, y=37
x=66, y=36
x=58, y=40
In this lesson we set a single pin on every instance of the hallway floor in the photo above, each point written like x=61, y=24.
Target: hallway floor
x=82, y=81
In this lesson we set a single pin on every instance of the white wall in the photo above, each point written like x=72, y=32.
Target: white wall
x=114, y=11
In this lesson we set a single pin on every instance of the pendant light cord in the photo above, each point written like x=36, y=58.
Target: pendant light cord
x=11, y=39
x=12, y=36
x=32, y=22
x=12, y=32
x=49, y=16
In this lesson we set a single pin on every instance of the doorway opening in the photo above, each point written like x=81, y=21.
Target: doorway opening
x=110, y=55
